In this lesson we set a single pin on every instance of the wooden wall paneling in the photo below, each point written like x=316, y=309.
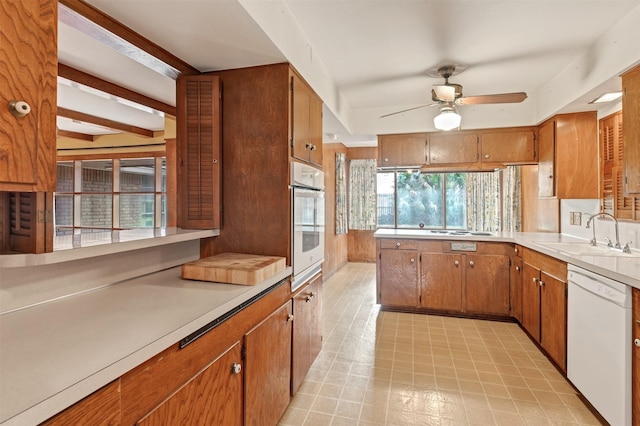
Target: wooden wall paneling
x=256, y=200
x=361, y=245
x=538, y=214
x=631, y=112
x=171, y=152
x=335, y=246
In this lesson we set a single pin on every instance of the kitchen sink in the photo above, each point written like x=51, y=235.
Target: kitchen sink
x=584, y=249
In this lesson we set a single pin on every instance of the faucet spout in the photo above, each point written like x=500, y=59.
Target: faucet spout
x=592, y=217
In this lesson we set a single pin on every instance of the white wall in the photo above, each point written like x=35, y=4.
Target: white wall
x=629, y=231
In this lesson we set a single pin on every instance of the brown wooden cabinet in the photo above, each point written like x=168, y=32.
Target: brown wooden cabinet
x=402, y=150
x=100, y=408
x=453, y=148
x=398, y=278
x=487, y=284
x=29, y=69
x=544, y=304
x=213, y=396
x=631, y=112
x=268, y=368
x=441, y=281
x=515, y=285
x=198, y=108
x=306, y=122
x=508, y=147
x=568, y=156
x=635, y=360
x=307, y=329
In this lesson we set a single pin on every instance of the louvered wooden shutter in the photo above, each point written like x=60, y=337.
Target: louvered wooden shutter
x=608, y=158
x=30, y=229
x=198, y=108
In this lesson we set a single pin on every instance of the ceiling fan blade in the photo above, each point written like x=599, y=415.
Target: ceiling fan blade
x=444, y=92
x=405, y=110
x=500, y=98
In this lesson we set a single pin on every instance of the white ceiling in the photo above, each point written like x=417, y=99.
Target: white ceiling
x=367, y=58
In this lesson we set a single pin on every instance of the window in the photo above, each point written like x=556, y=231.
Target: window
x=411, y=199
x=106, y=194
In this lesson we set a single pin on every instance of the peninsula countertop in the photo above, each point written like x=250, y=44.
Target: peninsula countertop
x=624, y=269
x=53, y=354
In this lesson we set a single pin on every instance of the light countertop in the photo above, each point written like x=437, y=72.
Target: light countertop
x=54, y=354
x=619, y=268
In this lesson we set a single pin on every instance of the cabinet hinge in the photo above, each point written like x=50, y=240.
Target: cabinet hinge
x=420, y=258
x=379, y=255
x=243, y=352
x=45, y=216
x=291, y=84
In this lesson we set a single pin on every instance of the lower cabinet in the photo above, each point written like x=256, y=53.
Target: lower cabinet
x=212, y=397
x=544, y=304
x=307, y=330
x=100, y=408
x=515, y=286
x=451, y=276
x=268, y=368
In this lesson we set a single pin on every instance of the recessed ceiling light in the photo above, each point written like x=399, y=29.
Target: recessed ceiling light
x=606, y=97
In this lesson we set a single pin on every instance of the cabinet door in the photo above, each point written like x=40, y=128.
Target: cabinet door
x=100, y=408
x=398, y=278
x=631, y=112
x=268, y=368
x=307, y=330
x=315, y=130
x=553, y=318
x=198, y=107
x=531, y=300
x=452, y=149
x=515, y=279
x=212, y=397
x=546, y=159
x=300, y=110
x=402, y=150
x=29, y=69
x=441, y=281
x=487, y=284
x=576, y=162
x=515, y=147
x=635, y=360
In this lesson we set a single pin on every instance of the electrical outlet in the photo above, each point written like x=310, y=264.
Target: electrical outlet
x=575, y=218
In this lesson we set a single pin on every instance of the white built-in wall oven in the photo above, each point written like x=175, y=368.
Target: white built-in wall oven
x=307, y=184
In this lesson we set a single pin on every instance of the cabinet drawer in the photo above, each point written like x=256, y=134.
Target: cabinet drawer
x=399, y=244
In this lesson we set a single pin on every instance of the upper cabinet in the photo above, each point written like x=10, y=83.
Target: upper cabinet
x=306, y=122
x=568, y=156
x=631, y=112
x=463, y=150
x=508, y=147
x=29, y=69
x=403, y=150
x=198, y=107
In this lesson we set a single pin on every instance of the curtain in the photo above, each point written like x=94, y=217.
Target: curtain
x=483, y=201
x=362, y=195
x=512, y=199
x=341, y=193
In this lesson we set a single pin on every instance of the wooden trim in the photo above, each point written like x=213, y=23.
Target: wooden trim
x=87, y=118
x=97, y=83
x=98, y=25
x=111, y=156
x=74, y=135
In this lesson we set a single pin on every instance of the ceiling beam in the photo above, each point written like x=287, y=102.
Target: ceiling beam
x=75, y=135
x=87, y=118
x=100, y=26
x=81, y=77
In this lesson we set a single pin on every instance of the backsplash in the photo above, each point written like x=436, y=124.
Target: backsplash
x=629, y=231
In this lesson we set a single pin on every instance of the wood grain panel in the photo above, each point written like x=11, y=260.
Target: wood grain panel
x=487, y=284
x=101, y=408
x=255, y=174
x=531, y=300
x=29, y=68
x=513, y=147
x=399, y=278
x=453, y=148
x=407, y=149
x=547, y=159
x=577, y=155
x=441, y=281
x=553, y=319
x=538, y=214
x=335, y=246
x=550, y=265
x=631, y=112
x=361, y=246
x=212, y=397
x=268, y=368
x=515, y=290
x=362, y=153
x=147, y=385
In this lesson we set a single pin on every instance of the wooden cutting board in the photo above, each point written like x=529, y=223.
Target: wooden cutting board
x=233, y=268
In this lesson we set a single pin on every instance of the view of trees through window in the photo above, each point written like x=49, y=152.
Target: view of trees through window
x=94, y=195
x=409, y=199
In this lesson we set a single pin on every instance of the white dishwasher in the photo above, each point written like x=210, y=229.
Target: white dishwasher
x=599, y=343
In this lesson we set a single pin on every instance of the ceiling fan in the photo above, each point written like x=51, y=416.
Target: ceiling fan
x=448, y=95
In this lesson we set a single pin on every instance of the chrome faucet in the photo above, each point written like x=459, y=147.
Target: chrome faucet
x=593, y=240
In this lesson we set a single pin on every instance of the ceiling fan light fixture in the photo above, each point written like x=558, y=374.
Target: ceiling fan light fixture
x=606, y=97
x=448, y=119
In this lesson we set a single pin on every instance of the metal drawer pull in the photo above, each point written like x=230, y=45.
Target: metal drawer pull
x=535, y=280
x=397, y=244
x=456, y=263
x=637, y=342
x=412, y=260
x=471, y=263
x=541, y=283
x=236, y=368
x=290, y=318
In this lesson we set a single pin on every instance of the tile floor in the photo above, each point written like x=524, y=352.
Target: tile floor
x=385, y=368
